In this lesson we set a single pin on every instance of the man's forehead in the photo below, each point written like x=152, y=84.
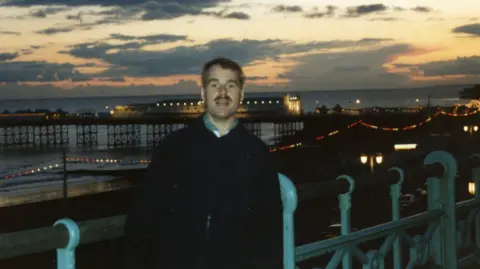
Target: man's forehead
x=222, y=75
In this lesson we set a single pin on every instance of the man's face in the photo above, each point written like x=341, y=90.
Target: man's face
x=222, y=93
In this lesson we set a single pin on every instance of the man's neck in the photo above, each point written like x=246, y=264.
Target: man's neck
x=223, y=125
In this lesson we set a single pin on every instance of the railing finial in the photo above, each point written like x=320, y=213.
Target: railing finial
x=66, y=255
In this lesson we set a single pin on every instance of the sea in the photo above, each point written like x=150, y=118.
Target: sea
x=28, y=168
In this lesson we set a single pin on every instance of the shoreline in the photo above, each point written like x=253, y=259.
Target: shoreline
x=55, y=192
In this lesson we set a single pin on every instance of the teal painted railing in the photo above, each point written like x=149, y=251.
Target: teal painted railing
x=438, y=246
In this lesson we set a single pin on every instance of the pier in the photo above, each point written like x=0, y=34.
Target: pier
x=149, y=131
x=445, y=235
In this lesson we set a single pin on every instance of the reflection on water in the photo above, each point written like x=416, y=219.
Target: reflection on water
x=53, y=189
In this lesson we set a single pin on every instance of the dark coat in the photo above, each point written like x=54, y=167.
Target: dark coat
x=207, y=203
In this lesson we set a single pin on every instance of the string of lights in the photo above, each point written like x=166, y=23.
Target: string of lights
x=75, y=160
x=376, y=127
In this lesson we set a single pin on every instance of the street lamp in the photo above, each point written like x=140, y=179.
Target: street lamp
x=371, y=160
x=470, y=129
x=471, y=188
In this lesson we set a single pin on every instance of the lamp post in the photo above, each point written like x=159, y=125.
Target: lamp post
x=470, y=129
x=371, y=160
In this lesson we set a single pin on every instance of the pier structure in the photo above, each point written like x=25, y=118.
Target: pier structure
x=34, y=134
x=446, y=235
x=124, y=132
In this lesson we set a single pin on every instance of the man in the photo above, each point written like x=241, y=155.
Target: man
x=211, y=197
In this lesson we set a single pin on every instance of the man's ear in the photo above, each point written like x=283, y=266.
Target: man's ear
x=242, y=95
x=202, y=93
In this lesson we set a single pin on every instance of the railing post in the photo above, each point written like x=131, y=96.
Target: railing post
x=441, y=195
x=476, y=180
x=395, y=192
x=66, y=255
x=289, y=199
x=345, y=205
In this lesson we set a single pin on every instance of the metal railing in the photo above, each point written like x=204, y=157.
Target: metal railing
x=439, y=243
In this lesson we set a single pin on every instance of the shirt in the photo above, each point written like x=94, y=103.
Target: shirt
x=210, y=126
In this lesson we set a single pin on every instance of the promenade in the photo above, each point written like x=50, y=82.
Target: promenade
x=439, y=237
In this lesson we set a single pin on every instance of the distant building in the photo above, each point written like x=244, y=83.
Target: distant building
x=283, y=105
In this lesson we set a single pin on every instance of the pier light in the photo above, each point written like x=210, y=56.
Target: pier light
x=379, y=159
x=398, y=147
x=363, y=159
x=158, y=104
x=417, y=100
x=263, y=102
x=357, y=101
x=471, y=188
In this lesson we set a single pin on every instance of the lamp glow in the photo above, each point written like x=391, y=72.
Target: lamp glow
x=471, y=188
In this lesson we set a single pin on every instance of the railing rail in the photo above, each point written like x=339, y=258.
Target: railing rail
x=439, y=244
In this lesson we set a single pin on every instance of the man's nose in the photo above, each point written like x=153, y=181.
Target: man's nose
x=222, y=89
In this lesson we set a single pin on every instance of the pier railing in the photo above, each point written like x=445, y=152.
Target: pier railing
x=445, y=243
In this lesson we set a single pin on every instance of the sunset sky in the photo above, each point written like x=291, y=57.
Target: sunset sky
x=56, y=48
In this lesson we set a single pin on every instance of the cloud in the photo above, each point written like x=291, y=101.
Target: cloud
x=362, y=10
x=38, y=71
x=422, y=9
x=44, y=12
x=76, y=3
x=125, y=11
x=3, y=32
x=129, y=60
x=8, y=56
x=160, y=11
x=285, y=8
x=158, y=38
x=459, y=66
x=57, y=30
x=347, y=70
x=385, y=19
x=237, y=15
x=101, y=50
x=471, y=29
x=316, y=14
x=224, y=14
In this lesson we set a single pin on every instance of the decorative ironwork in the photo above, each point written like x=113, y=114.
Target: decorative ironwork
x=45, y=135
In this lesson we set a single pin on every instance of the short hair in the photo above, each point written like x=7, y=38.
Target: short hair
x=224, y=63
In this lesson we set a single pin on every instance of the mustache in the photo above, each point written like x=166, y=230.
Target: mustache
x=226, y=97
